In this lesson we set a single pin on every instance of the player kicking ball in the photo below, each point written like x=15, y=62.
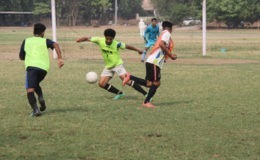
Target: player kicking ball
x=34, y=52
x=154, y=63
x=113, y=61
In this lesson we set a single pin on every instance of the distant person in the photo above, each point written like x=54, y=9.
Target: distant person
x=154, y=63
x=34, y=52
x=113, y=61
x=141, y=26
x=150, y=36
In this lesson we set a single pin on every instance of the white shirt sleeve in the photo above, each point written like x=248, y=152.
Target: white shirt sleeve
x=166, y=38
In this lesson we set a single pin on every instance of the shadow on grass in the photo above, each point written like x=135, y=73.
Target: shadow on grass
x=64, y=110
x=173, y=103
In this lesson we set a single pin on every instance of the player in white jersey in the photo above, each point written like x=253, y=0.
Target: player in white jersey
x=161, y=51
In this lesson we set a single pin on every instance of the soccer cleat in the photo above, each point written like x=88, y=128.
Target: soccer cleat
x=126, y=79
x=148, y=105
x=43, y=105
x=36, y=113
x=119, y=96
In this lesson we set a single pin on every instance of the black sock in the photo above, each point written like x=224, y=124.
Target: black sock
x=138, y=80
x=32, y=100
x=38, y=90
x=112, y=89
x=138, y=87
x=151, y=93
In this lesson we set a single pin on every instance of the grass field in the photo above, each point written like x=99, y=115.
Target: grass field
x=207, y=107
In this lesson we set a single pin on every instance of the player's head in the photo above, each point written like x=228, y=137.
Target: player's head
x=154, y=21
x=39, y=29
x=109, y=35
x=167, y=25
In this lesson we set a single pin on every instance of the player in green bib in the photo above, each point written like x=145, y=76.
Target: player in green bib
x=34, y=52
x=113, y=61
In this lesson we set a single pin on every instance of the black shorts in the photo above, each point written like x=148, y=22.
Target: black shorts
x=153, y=72
x=34, y=76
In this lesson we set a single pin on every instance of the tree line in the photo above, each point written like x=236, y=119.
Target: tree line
x=81, y=12
x=74, y=12
x=231, y=12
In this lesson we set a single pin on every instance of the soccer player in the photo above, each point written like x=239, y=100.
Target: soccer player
x=141, y=26
x=113, y=61
x=154, y=63
x=150, y=36
x=34, y=52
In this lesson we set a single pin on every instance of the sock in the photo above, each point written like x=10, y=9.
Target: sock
x=151, y=93
x=112, y=89
x=38, y=90
x=138, y=80
x=32, y=100
x=138, y=88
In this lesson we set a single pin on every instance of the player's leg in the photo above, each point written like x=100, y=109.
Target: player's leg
x=153, y=75
x=121, y=71
x=148, y=45
x=144, y=52
x=133, y=84
x=144, y=82
x=30, y=83
x=106, y=76
x=38, y=90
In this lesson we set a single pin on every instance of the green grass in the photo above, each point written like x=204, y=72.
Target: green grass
x=203, y=111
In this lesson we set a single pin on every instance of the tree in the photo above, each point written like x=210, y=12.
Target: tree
x=177, y=10
x=127, y=9
x=233, y=12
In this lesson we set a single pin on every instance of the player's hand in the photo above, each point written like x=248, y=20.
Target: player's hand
x=60, y=62
x=140, y=52
x=174, y=56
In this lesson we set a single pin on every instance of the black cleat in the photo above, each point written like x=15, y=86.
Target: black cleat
x=43, y=105
x=36, y=113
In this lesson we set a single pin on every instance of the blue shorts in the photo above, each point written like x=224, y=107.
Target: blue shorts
x=149, y=44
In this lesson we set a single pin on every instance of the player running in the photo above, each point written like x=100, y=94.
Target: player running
x=150, y=36
x=113, y=61
x=34, y=52
x=154, y=63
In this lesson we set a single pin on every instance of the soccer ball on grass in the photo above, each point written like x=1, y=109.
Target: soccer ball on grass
x=91, y=77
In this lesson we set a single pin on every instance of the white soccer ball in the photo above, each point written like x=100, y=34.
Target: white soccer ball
x=91, y=77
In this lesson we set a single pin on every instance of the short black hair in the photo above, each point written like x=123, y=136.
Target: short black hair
x=153, y=19
x=38, y=28
x=167, y=24
x=110, y=33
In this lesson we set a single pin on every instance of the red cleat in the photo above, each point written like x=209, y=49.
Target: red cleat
x=148, y=105
x=126, y=79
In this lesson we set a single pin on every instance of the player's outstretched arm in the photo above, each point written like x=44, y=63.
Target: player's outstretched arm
x=58, y=51
x=82, y=39
x=167, y=52
x=133, y=48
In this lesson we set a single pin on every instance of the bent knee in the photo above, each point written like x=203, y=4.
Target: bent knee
x=102, y=85
x=157, y=83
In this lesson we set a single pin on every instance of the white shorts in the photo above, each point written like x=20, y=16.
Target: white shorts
x=120, y=70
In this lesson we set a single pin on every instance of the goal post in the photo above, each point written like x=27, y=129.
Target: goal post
x=53, y=22
x=204, y=29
